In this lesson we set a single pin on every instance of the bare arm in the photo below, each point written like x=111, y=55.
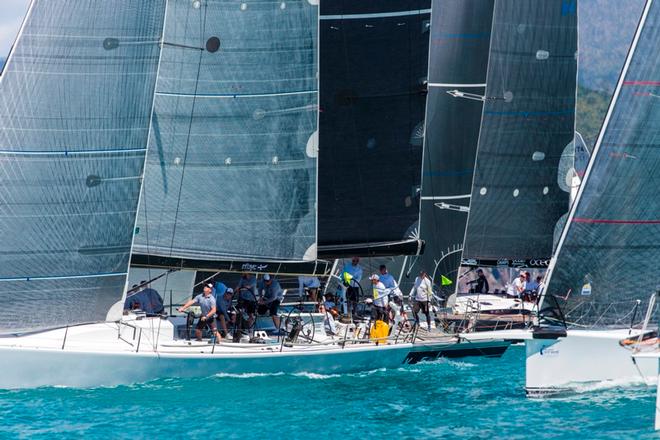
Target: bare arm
x=186, y=305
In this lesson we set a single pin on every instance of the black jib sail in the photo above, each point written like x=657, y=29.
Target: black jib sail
x=460, y=36
x=373, y=64
x=607, y=256
x=528, y=120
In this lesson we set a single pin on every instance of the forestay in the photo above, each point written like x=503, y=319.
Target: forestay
x=528, y=120
x=75, y=102
x=374, y=57
x=231, y=169
x=608, y=254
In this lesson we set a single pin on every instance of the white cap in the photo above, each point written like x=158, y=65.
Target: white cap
x=374, y=277
x=229, y=290
x=209, y=285
x=266, y=277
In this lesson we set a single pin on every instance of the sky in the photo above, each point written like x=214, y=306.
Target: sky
x=11, y=18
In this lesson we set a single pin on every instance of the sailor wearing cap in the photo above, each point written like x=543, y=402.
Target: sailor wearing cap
x=206, y=302
x=270, y=299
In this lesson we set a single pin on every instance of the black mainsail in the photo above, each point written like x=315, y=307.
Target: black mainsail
x=373, y=68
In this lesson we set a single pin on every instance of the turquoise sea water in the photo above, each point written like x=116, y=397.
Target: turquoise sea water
x=469, y=399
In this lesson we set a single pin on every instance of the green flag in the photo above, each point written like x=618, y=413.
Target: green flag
x=446, y=281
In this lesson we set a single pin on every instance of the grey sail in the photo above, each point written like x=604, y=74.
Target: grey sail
x=608, y=253
x=458, y=59
x=374, y=57
x=528, y=121
x=75, y=102
x=231, y=169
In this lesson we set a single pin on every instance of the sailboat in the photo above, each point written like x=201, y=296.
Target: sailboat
x=517, y=197
x=604, y=273
x=176, y=134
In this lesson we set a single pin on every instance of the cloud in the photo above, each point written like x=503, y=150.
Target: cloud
x=13, y=12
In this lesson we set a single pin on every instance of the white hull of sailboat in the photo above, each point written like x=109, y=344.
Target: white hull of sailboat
x=584, y=360
x=109, y=354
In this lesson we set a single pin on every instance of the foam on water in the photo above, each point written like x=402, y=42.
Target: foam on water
x=474, y=398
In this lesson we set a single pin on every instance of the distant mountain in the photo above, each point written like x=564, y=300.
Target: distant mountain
x=591, y=109
x=606, y=29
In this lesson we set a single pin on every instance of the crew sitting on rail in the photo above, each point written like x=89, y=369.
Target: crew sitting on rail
x=247, y=296
x=330, y=305
x=270, y=299
x=309, y=284
x=225, y=313
x=206, y=302
x=142, y=297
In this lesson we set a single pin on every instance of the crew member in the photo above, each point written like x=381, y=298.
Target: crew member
x=270, y=299
x=206, y=302
x=422, y=292
x=309, y=284
x=247, y=296
x=351, y=275
x=224, y=312
x=380, y=295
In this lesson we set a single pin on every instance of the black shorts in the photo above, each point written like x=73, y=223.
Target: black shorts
x=249, y=306
x=271, y=307
x=208, y=323
x=423, y=306
x=353, y=294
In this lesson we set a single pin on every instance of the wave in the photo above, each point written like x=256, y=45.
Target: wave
x=625, y=382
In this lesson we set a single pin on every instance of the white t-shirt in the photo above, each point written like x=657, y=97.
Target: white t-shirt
x=422, y=290
x=380, y=294
x=518, y=286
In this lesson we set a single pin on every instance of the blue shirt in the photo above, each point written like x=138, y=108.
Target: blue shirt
x=219, y=290
x=355, y=271
x=532, y=285
x=251, y=283
x=272, y=291
x=309, y=282
x=206, y=303
x=388, y=281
